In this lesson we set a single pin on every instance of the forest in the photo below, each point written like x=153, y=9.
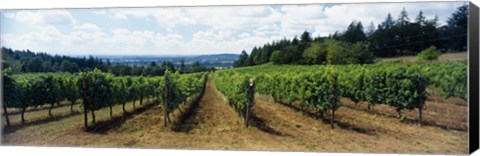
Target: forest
x=391, y=38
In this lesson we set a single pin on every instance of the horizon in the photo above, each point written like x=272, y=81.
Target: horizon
x=186, y=31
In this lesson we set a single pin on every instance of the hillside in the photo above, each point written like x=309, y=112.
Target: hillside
x=444, y=57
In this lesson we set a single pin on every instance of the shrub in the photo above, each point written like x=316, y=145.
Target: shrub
x=428, y=54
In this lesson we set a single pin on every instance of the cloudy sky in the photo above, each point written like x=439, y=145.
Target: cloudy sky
x=189, y=30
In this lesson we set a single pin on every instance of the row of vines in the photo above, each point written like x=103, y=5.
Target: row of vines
x=399, y=85
x=239, y=91
x=96, y=90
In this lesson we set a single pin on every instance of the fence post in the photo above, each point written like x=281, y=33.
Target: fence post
x=85, y=103
x=250, y=100
x=165, y=100
x=334, y=100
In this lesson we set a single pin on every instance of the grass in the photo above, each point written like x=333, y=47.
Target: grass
x=458, y=56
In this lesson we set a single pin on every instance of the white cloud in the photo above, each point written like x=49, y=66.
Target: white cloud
x=228, y=28
x=88, y=26
x=244, y=35
x=57, y=17
x=9, y=15
x=165, y=17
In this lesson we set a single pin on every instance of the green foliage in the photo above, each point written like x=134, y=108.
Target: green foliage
x=30, y=62
x=11, y=92
x=99, y=89
x=234, y=86
x=398, y=85
x=315, y=54
x=456, y=29
x=182, y=86
x=361, y=53
x=276, y=57
x=354, y=33
x=428, y=54
x=338, y=52
x=242, y=60
x=121, y=90
x=71, y=88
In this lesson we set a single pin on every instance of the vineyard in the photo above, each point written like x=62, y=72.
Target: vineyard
x=269, y=107
x=97, y=90
x=402, y=86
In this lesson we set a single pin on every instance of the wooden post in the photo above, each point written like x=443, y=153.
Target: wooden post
x=165, y=101
x=250, y=100
x=334, y=104
x=85, y=103
x=420, y=100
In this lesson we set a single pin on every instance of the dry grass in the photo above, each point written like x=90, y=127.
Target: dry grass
x=436, y=112
x=215, y=125
x=460, y=56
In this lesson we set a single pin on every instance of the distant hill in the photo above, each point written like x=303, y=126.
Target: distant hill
x=214, y=60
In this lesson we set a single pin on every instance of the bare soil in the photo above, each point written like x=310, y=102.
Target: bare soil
x=213, y=124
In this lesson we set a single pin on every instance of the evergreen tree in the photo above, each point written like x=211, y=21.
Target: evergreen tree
x=456, y=30
x=242, y=59
x=370, y=29
x=305, y=37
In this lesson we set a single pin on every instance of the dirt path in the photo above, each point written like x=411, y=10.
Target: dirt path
x=212, y=125
x=212, y=115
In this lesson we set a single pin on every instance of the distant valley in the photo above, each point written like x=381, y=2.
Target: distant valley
x=214, y=60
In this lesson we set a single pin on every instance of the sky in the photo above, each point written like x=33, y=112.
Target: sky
x=190, y=30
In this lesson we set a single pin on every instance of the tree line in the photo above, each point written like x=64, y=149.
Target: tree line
x=26, y=61
x=391, y=38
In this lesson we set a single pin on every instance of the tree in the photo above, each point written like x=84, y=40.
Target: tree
x=418, y=28
x=370, y=29
x=388, y=23
x=382, y=41
x=338, y=53
x=420, y=19
x=242, y=59
x=276, y=57
x=456, y=30
x=66, y=66
x=403, y=33
x=137, y=70
x=403, y=19
x=315, y=54
x=255, y=57
x=295, y=41
x=168, y=65
x=305, y=37
x=363, y=55
x=33, y=65
x=266, y=52
x=287, y=54
x=354, y=33
x=182, y=65
x=47, y=66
